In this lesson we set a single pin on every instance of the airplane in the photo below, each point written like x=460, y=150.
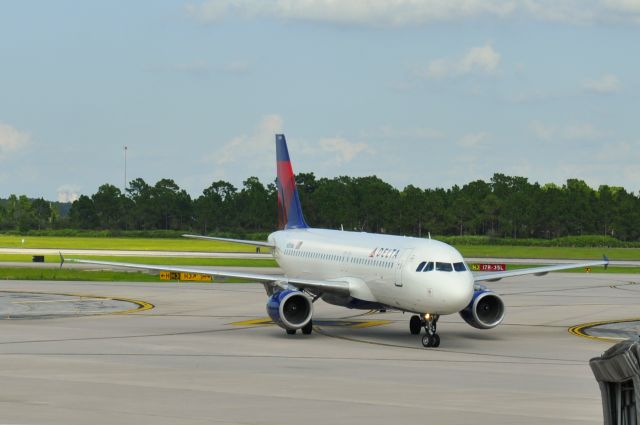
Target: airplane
x=361, y=270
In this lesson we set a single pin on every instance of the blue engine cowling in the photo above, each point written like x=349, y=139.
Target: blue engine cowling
x=486, y=309
x=290, y=309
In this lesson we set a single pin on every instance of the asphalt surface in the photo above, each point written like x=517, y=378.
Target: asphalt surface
x=200, y=357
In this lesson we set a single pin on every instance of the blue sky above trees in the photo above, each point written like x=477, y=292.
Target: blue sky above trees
x=431, y=93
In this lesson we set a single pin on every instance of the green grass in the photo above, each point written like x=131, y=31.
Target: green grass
x=499, y=251
x=169, y=261
x=145, y=244
x=24, y=273
x=184, y=244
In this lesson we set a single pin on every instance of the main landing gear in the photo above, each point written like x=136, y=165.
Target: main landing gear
x=429, y=322
x=306, y=329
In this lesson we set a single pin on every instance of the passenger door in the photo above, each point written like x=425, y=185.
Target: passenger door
x=404, y=257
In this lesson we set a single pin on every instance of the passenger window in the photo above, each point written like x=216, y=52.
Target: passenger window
x=421, y=266
x=429, y=267
x=444, y=267
x=459, y=267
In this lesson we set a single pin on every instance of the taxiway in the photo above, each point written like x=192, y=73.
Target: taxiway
x=202, y=356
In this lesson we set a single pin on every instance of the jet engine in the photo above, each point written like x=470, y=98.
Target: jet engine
x=290, y=309
x=486, y=309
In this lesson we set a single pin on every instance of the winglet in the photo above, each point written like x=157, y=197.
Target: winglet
x=61, y=259
x=606, y=259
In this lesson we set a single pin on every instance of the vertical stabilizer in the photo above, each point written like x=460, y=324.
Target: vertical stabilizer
x=289, y=209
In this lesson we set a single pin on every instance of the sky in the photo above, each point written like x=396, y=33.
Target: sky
x=425, y=92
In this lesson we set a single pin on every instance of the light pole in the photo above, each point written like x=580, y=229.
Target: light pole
x=125, y=169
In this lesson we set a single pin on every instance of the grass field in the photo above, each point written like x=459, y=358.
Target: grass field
x=184, y=244
x=170, y=261
x=148, y=244
x=499, y=251
x=20, y=273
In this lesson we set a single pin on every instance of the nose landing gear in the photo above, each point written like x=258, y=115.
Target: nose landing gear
x=431, y=339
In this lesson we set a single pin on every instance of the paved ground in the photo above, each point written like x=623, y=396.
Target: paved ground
x=184, y=362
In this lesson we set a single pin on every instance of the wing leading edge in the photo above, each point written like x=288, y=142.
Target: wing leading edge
x=241, y=241
x=325, y=286
x=538, y=271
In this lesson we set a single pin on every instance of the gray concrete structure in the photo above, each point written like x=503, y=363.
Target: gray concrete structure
x=192, y=360
x=618, y=375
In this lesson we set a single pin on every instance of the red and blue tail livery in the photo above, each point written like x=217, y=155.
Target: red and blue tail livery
x=289, y=209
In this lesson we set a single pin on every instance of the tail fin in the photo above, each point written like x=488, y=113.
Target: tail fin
x=289, y=209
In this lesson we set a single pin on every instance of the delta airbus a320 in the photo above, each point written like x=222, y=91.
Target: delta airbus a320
x=363, y=271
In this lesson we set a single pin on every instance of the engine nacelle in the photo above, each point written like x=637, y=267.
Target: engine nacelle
x=290, y=309
x=486, y=309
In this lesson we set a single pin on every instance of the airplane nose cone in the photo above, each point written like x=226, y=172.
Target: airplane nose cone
x=456, y=292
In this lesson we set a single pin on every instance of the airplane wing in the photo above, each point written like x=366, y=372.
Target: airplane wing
x=242, y=241
x=326, y=286
x=538, y=271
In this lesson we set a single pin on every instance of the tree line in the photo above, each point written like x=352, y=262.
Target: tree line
x=505, y=206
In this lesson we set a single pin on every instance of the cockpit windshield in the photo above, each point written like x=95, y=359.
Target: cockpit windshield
x=444, y=267
x=459, y=267
x=425, y=266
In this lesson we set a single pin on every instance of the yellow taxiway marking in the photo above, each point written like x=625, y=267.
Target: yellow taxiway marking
x=254, y=322
x=141, y=305
x=356, y=324
x=579, y=330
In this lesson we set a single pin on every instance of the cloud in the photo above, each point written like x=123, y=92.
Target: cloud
x=378, y=13
x=581, y=132
x=387, y=133
x=571, y=132
x=256, y=145
x=473, y=140
x=542, y=131
x=607, y=84
x=344, y=150
x=209, y=11
x=12, y=140
x=402, y=13
x=623, y=6
x=236, y=67
x=196, y=68
x=478, y=60
x=68, y=193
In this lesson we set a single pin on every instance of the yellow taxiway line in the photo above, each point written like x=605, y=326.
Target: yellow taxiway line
x=579, y=330
x=141, y=305
x=356, y=324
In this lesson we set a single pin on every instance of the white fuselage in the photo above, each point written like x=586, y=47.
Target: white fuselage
x=379, y=268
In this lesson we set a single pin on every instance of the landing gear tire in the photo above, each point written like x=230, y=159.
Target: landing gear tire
x=436, y=340
x=415, y=324
x=308, y=328
x=427, y=341
x=291, y=331
x=431, y=339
